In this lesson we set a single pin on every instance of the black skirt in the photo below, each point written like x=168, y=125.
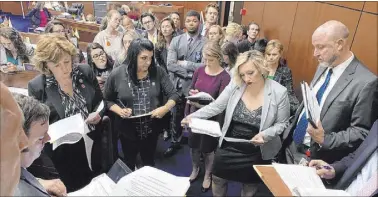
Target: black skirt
x=204, y=143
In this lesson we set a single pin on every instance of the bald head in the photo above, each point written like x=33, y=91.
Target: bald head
x=333, y=30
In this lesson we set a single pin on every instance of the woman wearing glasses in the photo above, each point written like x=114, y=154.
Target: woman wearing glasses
x=137, y=89
x=101, y=63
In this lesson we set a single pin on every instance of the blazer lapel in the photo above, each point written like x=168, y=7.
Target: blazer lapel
x=54, y=97
x=87, y=91
x=339, y=86
x=319, y=72
x=266, y=104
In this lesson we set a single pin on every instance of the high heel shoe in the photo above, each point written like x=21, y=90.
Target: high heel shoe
x=192, y=180
x=204, y=190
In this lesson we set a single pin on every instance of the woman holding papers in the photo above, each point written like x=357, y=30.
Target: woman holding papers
x=257, y=112
x=134, y=92
x=68, y=90
x=212, y=79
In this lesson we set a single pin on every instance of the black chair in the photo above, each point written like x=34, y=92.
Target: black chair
x=76, y=9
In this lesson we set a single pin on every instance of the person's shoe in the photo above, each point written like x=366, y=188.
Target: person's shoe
x=194, y=176
x=206, y=181
x=172, y=150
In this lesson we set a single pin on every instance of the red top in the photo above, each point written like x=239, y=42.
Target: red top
x=43, y=18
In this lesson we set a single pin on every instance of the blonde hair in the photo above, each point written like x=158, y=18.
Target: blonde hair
x=220, y=30
x=50, y=48
x=233, y=29
x=274, y=44
x=256, y=58
x=212, y=5
x=213, y=49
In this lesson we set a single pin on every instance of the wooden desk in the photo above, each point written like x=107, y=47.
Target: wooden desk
x=87, y=31
x=163, y=11
x=33, y=37
x=19, y=79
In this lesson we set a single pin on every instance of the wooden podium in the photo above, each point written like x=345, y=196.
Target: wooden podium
x=272, y=180
x=18, y=79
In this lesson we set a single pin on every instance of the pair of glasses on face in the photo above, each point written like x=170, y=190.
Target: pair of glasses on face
x=97, y=56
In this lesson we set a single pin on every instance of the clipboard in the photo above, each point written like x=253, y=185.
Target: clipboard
x=305, y=102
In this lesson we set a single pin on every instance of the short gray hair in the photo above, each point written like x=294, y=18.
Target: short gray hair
x=32, y=109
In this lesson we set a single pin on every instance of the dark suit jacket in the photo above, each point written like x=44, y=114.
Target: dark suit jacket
x=351, y=165
x=29, y=185
x=347, y=115
x=36, y=16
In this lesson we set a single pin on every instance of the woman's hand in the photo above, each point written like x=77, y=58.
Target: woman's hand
x=185, y=122
x=323, y=169
x=193, y=92
x=125, y=113
x=159, y=112
x=195, y=104
x=258, y=139
x=93, y=118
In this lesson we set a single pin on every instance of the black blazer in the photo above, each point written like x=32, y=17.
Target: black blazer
x=161, y=57
x=50, y=96
x=351, y=165
x=36, y=16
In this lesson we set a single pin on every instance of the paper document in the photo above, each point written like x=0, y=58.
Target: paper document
x=207, y=127
x=141, y=115
x=319, y=192
x=296, y=176
x=311, y=105
x=19, y=90
x=101, y=185
x=201, y=97
x=149, y=181
x=69, y=131
x=98, y=110
x=230, y=139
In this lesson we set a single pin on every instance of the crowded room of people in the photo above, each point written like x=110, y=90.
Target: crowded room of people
x=189, y=98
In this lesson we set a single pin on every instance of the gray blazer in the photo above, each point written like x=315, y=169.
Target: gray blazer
x=347, y=115
x=178, y=50
x=29, y=185
x=274, y=118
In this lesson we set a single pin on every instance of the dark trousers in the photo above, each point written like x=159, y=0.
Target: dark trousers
x=145, y=147
x=177, y=116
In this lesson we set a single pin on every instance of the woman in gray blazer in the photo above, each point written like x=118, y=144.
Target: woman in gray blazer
x=257, y=111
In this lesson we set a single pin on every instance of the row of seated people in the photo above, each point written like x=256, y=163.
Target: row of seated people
x=254, y=88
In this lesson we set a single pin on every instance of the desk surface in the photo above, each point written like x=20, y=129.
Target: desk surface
x=19, y=79
x=87, y=31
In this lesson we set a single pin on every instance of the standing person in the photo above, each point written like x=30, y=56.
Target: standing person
x=233, y=33
x=148, y=23
x=40, y=15
x=280, y=72
x=230, y=53
x=127, y=38
x=257, y=109
x=215, y=33
x=346, y=91
x=13, y=142
x=184, y=57
x=100, y=62
x=166, y=34
x=67, y=90
x=137, y=88
x=175, y=16
x=212, y=79
x=211, y=17
x=110, y=38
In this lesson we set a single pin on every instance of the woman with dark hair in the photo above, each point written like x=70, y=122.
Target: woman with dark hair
x=40, y=15
x=101, y=63
x=57, y=27
x=13, y=51
x=166, y=34
x=136, y=89
x=230, y=53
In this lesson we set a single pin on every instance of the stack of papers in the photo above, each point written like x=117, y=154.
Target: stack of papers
x=311, y=105
x=202, y=98
x=207, y=127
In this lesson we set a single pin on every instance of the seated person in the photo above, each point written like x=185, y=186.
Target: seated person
x=40, y=15
x=12, y=139
x=356, y=173
x=13, y=51
x=35, y=126
x=90, y=18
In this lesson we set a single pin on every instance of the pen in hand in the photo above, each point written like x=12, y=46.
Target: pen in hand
x=125, y=112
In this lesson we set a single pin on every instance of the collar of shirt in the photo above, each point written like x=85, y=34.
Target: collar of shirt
x=339, y=69
x=188, y=37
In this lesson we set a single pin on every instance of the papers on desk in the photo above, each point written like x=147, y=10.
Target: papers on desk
x=202, y=98
x=311, y=105
x=69, y=131
x=146, y=181
x=207, y=127
x=319, y=192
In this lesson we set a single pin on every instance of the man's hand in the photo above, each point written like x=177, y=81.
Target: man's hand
x=54, y=187
x=316, y=134
x=323, y=169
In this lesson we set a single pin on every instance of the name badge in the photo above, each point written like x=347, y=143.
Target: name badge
x=198, y=56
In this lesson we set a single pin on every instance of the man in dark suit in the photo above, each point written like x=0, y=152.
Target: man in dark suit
x=35, y=126
x=357, y=172
x=184, y=57
x=346, y=92
x=175, y=16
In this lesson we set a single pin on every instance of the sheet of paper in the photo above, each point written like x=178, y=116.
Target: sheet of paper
x=63, y=127
x=98, y=110
x=298, y=176
x=312, y=107
x=230, y=139
x=142, y=115
x=320, y=192
x=149, y=181
x=207, y=127
x=101, y=185
x=19, y=90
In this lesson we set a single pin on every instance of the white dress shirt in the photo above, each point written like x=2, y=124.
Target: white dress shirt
x=337, y=72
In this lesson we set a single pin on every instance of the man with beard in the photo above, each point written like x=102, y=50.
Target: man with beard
x=346, y=92
x=211, y=17
x=184, y=57
x=36, y=125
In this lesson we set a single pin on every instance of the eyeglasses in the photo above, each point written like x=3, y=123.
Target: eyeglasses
x=97, y=56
